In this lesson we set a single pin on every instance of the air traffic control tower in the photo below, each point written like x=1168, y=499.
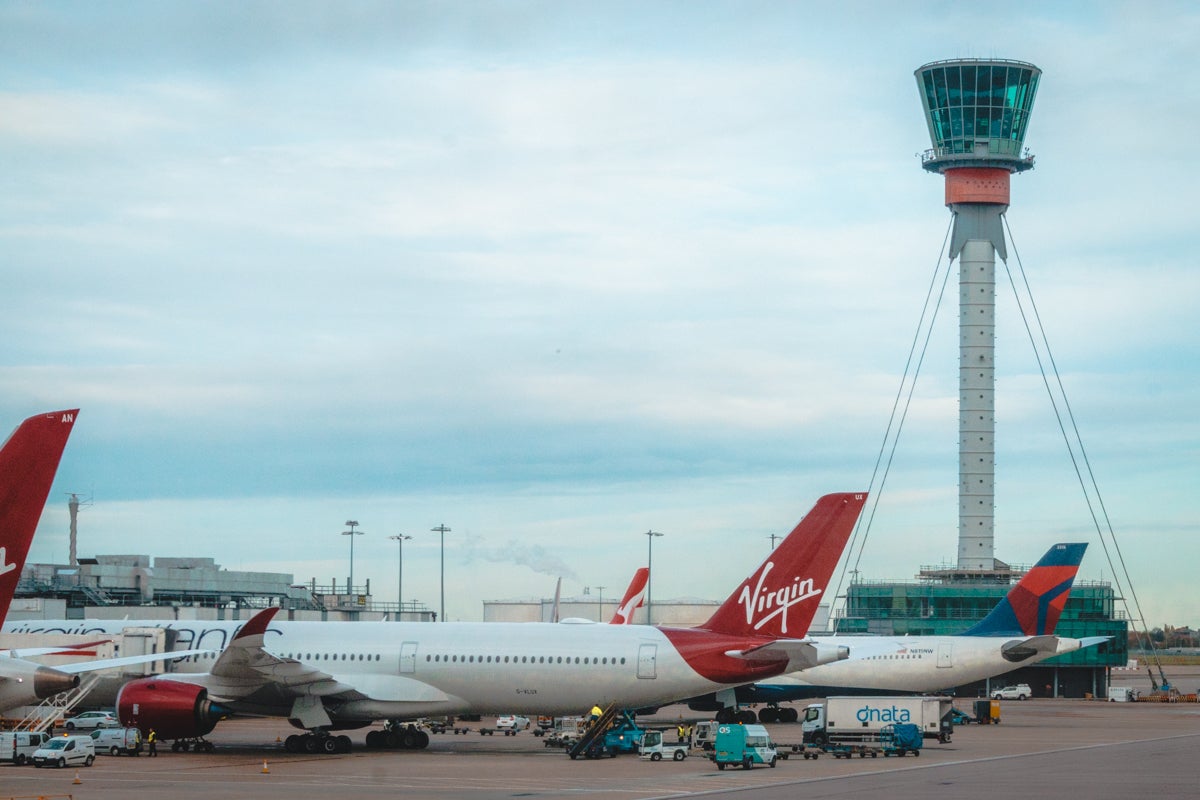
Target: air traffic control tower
x=978, y=111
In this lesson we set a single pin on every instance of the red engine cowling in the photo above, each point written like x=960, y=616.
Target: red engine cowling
x=173, y=709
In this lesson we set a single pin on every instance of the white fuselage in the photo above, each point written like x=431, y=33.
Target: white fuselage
x=910, y=663
x=412, y=669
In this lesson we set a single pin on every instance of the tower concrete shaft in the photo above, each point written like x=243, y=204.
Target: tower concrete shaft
x=977, y=112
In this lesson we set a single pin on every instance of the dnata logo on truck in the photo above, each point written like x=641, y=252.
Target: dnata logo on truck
x=774, y=601
x=868, y=714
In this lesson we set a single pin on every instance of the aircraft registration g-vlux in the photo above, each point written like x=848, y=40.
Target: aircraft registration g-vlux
x=326, y=676
x=28, y=462
x=1018, y=631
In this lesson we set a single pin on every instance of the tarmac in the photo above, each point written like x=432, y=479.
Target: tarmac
x=1041, y=748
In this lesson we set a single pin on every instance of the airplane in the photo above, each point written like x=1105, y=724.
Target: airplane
x=28, y=462
x=1018, y=631
x=327, y=676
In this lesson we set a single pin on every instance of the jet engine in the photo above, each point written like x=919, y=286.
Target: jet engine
x=25, y=683
x=175, y=710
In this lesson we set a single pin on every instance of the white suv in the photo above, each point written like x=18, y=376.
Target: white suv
x=1018, y=692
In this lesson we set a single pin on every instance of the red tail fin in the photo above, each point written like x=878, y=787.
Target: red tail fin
x=28, y=461
x=780, y=598
x=635, y=595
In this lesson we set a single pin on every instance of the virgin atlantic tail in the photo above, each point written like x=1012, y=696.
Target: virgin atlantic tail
x=28, y=460
x=635, y=595
x=780, y=598
x=1033, y=606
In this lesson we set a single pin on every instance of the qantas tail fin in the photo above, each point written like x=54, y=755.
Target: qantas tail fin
x=635, y=595
x=1032, y=607
x=780, y=598
x=28, y=461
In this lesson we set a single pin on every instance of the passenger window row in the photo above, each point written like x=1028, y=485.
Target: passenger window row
x=524, y=659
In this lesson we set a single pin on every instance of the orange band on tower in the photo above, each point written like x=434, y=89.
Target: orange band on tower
x=977, y=185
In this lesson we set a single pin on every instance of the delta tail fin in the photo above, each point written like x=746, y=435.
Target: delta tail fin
x=1033, y=606
x=780, y=598
x=28, y=460
x=634, y=597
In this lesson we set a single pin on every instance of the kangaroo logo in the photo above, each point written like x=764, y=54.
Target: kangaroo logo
x=776, y=601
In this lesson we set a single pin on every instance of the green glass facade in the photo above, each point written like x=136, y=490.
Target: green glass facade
x=944, y=609
x=978, y=108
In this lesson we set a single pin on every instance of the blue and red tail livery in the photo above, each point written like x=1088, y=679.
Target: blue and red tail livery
x=28, y=461
x=1033, y=606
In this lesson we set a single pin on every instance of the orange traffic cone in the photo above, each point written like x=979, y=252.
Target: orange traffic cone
x=76, y=781
x=265, y=771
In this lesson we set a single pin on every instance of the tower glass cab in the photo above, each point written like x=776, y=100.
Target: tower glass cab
x=977, y=111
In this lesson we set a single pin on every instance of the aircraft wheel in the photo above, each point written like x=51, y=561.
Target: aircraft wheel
x=790, y=715
x=344, y=744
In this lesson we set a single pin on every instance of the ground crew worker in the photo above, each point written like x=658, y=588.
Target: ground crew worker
x=596, y=713
x=680, y=733
x=152, y=740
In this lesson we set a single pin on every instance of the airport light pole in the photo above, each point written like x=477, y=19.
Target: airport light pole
x=600, y=617
x=443, y=530
x=352, y=524
x=649, y=568
x=399, y=539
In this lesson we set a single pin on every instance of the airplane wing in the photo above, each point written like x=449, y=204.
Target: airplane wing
x=62, y=649
x=111, y=663
x=800, y=653
x=245, y=667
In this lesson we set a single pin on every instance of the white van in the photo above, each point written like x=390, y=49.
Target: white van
x=62, y=751
x=118, y=741
x=19, y=746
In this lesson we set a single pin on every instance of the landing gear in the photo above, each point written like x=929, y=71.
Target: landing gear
x=728, y=716
x=776, y=714
x=398, y=736
x=317, y=742
x=198, y=744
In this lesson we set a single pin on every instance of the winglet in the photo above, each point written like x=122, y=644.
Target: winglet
x=256, y=625
x=635, y=595
x=1033, y=606
x=780, y=598
x=28, y=461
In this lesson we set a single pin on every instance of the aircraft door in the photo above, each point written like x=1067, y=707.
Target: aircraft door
x=945, y=655
x=408, y=657
x=648, y=661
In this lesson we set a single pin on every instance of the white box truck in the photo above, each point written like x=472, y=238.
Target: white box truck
x=848, y=718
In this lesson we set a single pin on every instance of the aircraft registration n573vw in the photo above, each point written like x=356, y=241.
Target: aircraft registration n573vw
x=326, y=676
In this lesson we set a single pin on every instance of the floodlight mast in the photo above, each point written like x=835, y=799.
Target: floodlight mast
x=978, y=112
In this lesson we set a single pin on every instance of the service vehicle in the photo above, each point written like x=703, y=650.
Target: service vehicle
x=19, y=746
x=92, y=719
x=703, y=733
x=743, y=745
x=1121, y=694
x=654, y=748
x=1018, y=691
x=66, y=751
x=847, y=718
x=118, y=741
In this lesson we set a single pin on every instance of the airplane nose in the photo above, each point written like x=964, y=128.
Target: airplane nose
x=48, y=682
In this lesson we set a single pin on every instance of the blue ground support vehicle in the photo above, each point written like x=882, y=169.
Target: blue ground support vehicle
x=744, y=746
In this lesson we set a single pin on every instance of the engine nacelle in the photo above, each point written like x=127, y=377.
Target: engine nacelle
x=26, y=683
x=175, y=710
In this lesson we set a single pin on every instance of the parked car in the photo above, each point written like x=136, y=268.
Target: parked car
x=64, y=751
x=118, y=741
x=1018, y=692
x=512, y=722
x=92, y=719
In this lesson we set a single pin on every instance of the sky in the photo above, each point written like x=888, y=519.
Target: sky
x=556, y=274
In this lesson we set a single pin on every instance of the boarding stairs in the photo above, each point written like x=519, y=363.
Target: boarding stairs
x=595, y=731
x=46, y=715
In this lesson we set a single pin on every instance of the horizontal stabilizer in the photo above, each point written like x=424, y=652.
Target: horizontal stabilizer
x=800, y=653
